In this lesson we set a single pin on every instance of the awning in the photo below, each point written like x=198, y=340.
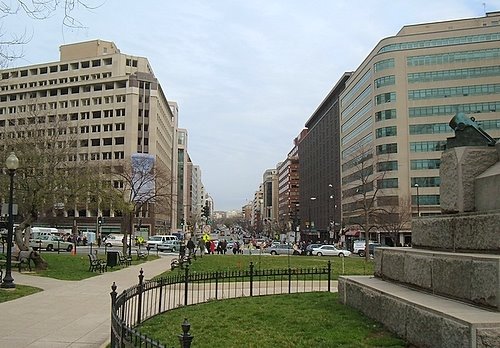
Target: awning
x=352, y=233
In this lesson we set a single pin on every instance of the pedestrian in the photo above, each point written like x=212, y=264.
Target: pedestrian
x=219, y=248
x=223, y=246
x=212, y=247
x=190, y=246
x=207, y=246
x=202, y=247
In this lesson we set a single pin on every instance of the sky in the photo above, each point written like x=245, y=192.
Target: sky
x=246, y=75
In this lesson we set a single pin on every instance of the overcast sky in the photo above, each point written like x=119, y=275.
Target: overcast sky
x=246, y=74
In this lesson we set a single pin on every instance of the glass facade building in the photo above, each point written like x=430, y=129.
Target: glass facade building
x=396, y=107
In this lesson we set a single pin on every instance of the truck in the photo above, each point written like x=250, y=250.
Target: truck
x=37, y=232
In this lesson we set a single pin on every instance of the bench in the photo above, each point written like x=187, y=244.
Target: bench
x=22, y=259
x=124, y=260
x=180, y=262
x=141, y=255
x=96, y=264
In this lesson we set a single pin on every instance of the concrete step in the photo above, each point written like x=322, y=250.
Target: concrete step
x=422, y=319
x=469, y=277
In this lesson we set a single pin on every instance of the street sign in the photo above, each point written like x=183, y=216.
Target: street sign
x=5, y=209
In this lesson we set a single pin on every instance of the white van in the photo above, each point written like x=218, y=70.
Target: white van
x=37, y=232
x=154, y=241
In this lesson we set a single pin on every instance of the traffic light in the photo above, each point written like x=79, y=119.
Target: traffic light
x=182, y=222
x=99, y=220
x=206, y=211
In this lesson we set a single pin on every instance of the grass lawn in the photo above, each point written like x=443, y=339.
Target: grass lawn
x=76, y=267
x=19, y=291
x=340, y=266
x=291, y=320
x=65, y=266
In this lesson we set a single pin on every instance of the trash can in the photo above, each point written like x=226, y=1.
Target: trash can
x=112, y=258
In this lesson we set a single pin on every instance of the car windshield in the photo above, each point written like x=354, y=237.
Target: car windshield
x=155, y=238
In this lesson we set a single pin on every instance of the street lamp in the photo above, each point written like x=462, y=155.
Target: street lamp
x=309, y=218
x=12, y=163
x=418, y=201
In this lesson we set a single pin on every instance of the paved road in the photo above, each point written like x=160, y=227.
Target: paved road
x=67, y=314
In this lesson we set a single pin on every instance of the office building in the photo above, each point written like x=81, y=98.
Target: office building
x=113, y=105
x=396, y=107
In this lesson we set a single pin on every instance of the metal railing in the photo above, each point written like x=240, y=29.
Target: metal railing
x=152, y=297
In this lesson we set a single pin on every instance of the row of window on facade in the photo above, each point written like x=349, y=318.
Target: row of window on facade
x=57, y=68
x=34, y=106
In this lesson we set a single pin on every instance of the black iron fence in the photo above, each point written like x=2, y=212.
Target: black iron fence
x=152, y=297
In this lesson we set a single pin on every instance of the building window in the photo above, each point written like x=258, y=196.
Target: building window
x=387, y=183
x=385, y=98
x=386, y=132
x=427, y=146
x=454, y=74
x=432, y=181
x=425, y=200
x=387, y=148
x=454, y=57
x=387, y=166
x=433, y=128
x=385, y=115
x=385, y=81
x=384, y=64
x=425, y=164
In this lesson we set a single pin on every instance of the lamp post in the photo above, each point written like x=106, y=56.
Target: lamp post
x=12, y=163
x=309, y=218
x=418, y=201
x=329, y=225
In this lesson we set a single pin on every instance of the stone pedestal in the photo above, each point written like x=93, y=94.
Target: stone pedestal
x=445, y=291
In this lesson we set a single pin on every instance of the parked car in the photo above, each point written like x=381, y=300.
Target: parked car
x=330, y=250
x=371, y=247
x=282, y=249
x=170, y=245
x=114, y=240
x=50, y=243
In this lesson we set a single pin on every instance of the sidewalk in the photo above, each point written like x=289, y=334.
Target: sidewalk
x=67, y=313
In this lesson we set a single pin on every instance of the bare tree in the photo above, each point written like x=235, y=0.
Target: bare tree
x=363, y=186
x=142, y=185
x=50, y=172
x=395, y=218
x=12, y=42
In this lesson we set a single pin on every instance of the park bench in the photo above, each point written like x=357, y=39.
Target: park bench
x=96, y=264
x=141, y=255
x=180, y=262
x=123, y=259
x=22, y=259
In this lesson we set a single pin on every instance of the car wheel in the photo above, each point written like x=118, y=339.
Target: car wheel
x=50, y=247
x=274, y=253
x=341, y=254
x=361, y=254
x=108, y=245
x=69, y=248
x=319, y=253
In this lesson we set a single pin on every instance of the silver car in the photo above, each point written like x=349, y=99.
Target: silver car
x=169, y=245
x=282, y=249
x=330, y=250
